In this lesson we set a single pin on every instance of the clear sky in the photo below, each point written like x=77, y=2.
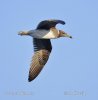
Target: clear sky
x=72, y=70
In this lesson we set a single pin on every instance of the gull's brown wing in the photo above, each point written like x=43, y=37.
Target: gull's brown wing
x=42, y=50
x=47, y=24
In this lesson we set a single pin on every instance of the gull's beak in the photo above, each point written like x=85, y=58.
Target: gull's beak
x=67, y=35
x=64, y=34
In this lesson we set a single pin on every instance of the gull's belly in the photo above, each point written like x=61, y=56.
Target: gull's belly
x=44, y=34
x=51, y=35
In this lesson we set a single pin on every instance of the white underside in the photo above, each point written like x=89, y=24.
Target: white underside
x=45, y=34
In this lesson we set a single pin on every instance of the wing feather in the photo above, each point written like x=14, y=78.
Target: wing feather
x=47, y=24
x=42, y=50
x=38, y=61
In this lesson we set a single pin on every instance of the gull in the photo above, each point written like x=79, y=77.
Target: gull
x=45, y=31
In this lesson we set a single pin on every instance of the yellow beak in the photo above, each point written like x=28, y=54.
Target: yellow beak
x=67, y=35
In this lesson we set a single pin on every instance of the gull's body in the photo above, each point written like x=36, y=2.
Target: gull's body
x=42, y=46
x=44, y=34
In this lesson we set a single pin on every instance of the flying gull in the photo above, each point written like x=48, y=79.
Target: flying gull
x=42, y=46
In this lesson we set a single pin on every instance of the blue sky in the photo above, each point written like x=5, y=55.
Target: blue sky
x=72, y=70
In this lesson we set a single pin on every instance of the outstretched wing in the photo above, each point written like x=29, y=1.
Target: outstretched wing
x=42, y=50
x=47, y=24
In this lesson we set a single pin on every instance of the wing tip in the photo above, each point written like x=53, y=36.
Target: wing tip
x=29, y=79
x=63, y=23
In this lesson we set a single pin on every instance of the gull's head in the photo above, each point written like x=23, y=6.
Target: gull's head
x=63, y=34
